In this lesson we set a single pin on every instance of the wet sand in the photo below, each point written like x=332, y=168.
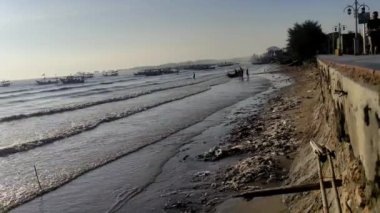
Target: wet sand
x=259, y=205
x=200, y=187
x=272, y=135
x=303, y=92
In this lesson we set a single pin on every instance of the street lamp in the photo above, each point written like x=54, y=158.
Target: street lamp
x=355, y=7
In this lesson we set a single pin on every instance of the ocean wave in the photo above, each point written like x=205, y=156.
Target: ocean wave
x=35, y=92
x=58, y=88
x=13, y=202
x=5, y=151
x=73, y=94
x=89, y=104
x=77, y=93
x=98, y=92
x=13, y=91
x=106, y=82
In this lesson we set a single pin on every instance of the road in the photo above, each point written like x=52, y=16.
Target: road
x=366, y=61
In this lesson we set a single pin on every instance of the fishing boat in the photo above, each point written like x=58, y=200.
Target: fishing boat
x=46, y=81
x=72, y=80
x=111, y=73
x=5, y=83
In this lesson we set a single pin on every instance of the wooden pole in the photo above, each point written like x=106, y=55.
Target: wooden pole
x=38, y=180
x=337, y=200
x=323, y=190
x=286, y=190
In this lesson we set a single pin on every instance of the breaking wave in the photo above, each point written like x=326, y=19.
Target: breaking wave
x=77, y=130
x=28, y=92
x=89, y=104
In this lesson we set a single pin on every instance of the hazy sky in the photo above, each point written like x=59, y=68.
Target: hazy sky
x=65, y=36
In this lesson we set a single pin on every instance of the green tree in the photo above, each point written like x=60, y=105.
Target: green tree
x=306, y=40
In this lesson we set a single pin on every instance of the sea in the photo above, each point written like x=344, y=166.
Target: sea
x=118, y=144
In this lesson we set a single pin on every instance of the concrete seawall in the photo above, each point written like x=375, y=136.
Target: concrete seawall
x=357, y=107
x=347, y=120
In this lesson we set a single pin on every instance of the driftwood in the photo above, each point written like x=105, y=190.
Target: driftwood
x=287, y=189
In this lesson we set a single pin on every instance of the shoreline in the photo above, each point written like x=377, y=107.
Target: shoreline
x=196, y=188
x=266, y=143
x=294, y=105
x=252, y=99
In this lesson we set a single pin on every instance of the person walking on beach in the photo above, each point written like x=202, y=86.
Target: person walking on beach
x=193, y=75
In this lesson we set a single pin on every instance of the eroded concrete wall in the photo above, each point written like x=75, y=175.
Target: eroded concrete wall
x=357, y=111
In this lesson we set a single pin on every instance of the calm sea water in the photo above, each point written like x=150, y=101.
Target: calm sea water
x=141, y=122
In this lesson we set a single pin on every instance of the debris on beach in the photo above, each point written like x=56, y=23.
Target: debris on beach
x=267, y=139
x=253, y=169
x=217, y=153
x=262, y=142
x=257, y=135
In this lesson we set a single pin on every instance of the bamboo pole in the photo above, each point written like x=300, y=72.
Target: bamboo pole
x=38, y=180
x=323, y=190
x=337, y=200
x=286, y=189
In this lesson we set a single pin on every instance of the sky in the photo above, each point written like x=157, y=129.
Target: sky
x=58, y=37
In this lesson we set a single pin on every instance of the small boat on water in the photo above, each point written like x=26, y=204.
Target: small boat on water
x=111, y=73
x=47, y=81
x=72, y=80
x=5, y=83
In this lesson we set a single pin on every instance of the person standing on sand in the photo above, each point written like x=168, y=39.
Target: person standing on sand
x=193, y=75
x=247, y=72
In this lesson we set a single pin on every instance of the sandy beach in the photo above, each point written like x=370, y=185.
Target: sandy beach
x=265, y=144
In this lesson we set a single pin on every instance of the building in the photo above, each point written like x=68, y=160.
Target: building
x=344, y=43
